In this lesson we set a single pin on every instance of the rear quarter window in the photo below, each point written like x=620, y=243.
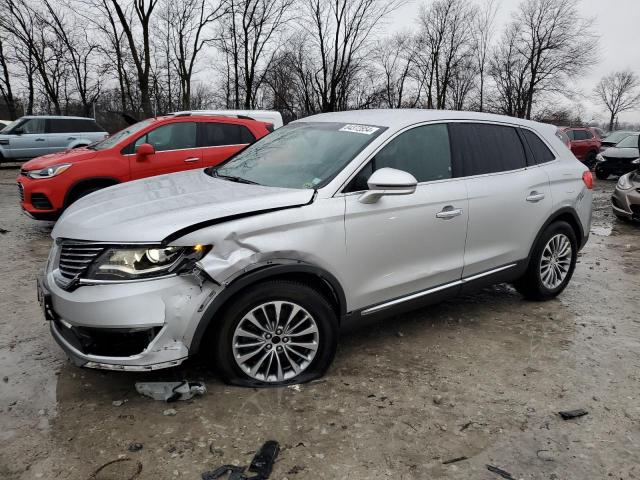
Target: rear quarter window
x=540, y=151
x=480, y=148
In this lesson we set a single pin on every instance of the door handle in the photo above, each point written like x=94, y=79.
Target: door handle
x=71, y=138
x=535, y=197
x=449, y=212
x=39, y=139
x=191, y=159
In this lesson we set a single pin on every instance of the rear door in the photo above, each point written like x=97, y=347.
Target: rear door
x=175, y=150
x=407, y=244
x=220, y=140
x=582, y=143
x=60, y=133
x=509, y=200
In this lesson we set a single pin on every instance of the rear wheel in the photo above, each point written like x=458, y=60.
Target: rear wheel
x=551, y=264
x=602, y=173
x=276, y=333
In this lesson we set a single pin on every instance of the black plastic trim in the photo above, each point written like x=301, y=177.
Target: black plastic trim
x=68, y=196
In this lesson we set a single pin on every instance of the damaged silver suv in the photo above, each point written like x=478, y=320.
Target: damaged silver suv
x=322, y=225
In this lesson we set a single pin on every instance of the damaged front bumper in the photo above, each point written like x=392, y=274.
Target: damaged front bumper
x=134, y=326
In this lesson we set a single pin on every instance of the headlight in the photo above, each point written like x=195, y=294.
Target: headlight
x=636, y=161
x=599, y=158
x=48, y=172
x=624, y=183
x=134, y=263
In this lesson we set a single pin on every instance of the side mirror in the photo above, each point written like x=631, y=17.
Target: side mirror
x=388, y=181
x=144, y=150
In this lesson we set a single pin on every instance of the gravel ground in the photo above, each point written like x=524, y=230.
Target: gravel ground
x=482, y=377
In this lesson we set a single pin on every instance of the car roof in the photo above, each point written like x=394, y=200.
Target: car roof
x=402, y=117
x=58, y=117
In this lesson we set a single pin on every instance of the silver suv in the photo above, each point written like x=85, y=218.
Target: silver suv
x=324, y=224
x=33, y=136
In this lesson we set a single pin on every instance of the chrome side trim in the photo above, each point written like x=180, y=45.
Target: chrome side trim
x=439, y=288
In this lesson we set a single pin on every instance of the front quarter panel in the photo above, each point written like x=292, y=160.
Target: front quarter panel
x=313, y=234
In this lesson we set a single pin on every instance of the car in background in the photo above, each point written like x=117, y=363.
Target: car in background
x=625, y=200
x=267, y=116
x=584, y=144
x=49, y=184
x=33, y=136
x=325, y=224
x=618, y=160
x=598, y=132
x=614, y=137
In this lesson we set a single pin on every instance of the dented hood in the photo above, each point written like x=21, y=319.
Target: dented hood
x=153, y=209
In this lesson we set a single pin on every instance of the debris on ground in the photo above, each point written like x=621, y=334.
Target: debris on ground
x=118, y=403
x=437, y=399
x=296, y=469
x=171, y=391
x=170, y=412
x=454, y=460
x=4, y=231
x=569, y=414
x=135, y=447
x=119, y=468
x=499, y=471
x=261, y=465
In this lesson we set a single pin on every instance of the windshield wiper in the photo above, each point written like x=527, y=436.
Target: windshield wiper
x=232, y=178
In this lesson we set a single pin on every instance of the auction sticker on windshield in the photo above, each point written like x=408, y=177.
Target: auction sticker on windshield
x=364, y=129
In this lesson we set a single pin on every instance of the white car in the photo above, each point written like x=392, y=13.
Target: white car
x=322, y=225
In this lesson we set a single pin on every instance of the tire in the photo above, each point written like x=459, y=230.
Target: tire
x=265, y=344
x=601, y=173
x=590, y=160
x=533, y=285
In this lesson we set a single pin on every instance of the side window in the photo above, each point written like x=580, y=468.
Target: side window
x=541, y=152
x=570, y=134
x=86, y=125
x=580, y=135
x=62, y=125
x=219, y=134
x=480, y=148
x=422, y=151
x=33, y=125
x=175, y=136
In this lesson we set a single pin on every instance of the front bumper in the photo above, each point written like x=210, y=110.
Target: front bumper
x=626, y=203
x=39, y=200
x=135, y=326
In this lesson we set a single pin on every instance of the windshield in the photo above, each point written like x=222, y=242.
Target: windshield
x=300, y=155
x=121, y=135
x=12, y=125
x=630, y=142
x=615, y=137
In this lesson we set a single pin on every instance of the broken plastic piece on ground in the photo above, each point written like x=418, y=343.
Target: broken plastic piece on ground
x=569, y=414
x=171, y=391
x=499, y=471
x=261, y=465
x=454, y=460
x=117, y=468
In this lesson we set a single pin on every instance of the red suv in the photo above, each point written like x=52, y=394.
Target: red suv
x=584, y=144
x=155, y=146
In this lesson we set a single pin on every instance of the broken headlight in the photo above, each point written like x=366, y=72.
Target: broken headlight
x=135, y=263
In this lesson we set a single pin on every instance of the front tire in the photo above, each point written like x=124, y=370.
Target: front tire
x=590, y=160
x=276, y=333
x=602, y=173
x=552, y=263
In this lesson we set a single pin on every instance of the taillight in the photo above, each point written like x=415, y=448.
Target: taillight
x=587, y=178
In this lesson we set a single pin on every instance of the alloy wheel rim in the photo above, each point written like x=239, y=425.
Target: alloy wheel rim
x=275, y=341
x=555, y=261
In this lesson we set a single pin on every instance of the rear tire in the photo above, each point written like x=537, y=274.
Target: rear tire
x=602, y=173
x=292, y=340
x=552, y=263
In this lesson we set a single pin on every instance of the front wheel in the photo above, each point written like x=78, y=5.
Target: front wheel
x=602, y=173
x=552, y=263
x=276, y=333
x=590, y=160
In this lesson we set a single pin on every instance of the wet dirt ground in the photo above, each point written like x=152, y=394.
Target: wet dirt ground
x=482, y=377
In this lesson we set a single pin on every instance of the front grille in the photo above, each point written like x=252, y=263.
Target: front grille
x=76, y=257
x=21, y=191
x=40, y=201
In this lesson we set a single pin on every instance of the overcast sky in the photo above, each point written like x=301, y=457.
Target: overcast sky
x=616, y=21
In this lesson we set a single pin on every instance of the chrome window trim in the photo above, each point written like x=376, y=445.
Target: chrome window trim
x=412, y=296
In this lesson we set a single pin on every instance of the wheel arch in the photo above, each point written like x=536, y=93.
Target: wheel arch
x=318, y=278
x=568, y=215
x=83, y=184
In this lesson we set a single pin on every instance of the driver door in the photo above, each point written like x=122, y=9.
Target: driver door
x=175, y=147
x=407, y=245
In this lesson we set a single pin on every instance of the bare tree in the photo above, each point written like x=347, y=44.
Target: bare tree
x=6, y=89
x=550, y=44
x=483, y=30
x=618, y=92
x=394, y=57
